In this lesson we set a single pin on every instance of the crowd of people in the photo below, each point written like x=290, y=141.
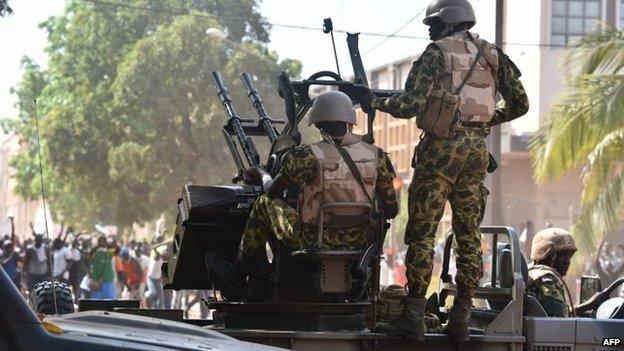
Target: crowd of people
x=95, y=266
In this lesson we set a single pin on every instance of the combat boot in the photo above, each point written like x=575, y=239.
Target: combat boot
x=227, y=277
x=457, y=326
x=410, y=324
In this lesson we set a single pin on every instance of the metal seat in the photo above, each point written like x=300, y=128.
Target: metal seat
x=333, y=265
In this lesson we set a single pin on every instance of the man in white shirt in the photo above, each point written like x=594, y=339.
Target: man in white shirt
x=60, y=269
x=155, y=294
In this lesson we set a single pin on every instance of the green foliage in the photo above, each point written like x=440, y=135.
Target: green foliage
x=586, y=129
x=128, y=113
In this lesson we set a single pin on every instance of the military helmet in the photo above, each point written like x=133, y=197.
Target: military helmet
x=332, y=106
x=450, y=11
x=550, y=241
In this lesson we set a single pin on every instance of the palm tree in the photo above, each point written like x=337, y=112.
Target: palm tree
x=586, y=129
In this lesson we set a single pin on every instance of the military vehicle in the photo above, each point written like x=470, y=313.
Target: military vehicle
x=317, y=298
x=313, y=299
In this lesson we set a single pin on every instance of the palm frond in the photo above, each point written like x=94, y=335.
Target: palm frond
x=601, y=216
x=571, y=131
x=600, y=163
x=599, y=52
x=592, y=108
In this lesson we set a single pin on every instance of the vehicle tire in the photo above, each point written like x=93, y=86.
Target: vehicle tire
x=42, y=299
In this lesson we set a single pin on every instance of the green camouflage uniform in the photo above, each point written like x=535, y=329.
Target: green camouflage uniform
x=550, y=295
x=548, y=287
x=451, y=170
x=276, y=217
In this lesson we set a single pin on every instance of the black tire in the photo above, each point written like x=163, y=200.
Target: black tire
x=42, y=299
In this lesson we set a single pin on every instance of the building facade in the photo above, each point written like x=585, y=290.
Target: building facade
x=24, y=212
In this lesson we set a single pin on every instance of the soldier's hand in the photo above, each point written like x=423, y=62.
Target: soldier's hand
x=366, y=100
x=254, y=175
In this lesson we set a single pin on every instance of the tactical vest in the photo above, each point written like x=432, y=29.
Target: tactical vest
x=537, y=272
x=477, y=98
x=335, y=183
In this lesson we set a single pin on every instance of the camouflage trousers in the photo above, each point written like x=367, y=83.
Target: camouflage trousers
x=274, y=217
x=452, y=170
x=269, y=217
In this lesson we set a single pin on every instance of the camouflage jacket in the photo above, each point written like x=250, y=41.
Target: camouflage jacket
x=300, y=167
x=549, y=290
x=425, y=77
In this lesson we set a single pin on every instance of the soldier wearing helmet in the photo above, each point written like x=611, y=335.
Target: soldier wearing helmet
x=324, y=176
x=551, y=252
x=450, y=163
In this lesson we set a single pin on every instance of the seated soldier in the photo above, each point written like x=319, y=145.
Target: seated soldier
x=552, y=250
x=324, y=176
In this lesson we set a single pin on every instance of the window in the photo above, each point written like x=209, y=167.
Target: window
x=572, y=19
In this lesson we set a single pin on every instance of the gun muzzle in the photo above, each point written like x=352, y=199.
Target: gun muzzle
x=222, y=91
x=252, y=92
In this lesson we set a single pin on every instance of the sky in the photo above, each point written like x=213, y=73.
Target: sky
x=313, y=48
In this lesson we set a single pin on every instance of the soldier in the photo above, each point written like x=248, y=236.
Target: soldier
x=324, y=175
x=551, y=252
x=451, y=167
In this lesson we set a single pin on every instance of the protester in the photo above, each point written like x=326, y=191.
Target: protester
x=155, y=295
x=10, y=261
x=76, y=267
x=102, y=281
x=60, y=267
x=132, y=274
x=35, y=263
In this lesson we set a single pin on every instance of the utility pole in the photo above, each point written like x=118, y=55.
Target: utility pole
x=496, y=189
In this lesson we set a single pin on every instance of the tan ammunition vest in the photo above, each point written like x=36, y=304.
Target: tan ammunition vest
x=537, y=272
x=477, y=98
x=335, y=183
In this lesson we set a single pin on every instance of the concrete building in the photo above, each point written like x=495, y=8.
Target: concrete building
x=23, y=212
x=536, y=34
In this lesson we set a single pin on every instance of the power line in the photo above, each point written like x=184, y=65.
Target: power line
x=211, y=16
x=396, y=31
x=292, y=26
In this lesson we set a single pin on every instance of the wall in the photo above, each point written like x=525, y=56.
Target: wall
x=24, y=212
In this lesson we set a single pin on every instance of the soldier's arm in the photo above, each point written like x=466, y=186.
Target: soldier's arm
x=384, y=189
x=422, y=78
x=550, y=296
x=299, y=167
x=273, y=187
x=515, y=102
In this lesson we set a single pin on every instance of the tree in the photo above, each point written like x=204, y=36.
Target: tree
x=5, y=9
x=128, y=113
x=586, y=128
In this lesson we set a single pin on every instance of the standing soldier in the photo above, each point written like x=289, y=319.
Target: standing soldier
x=451, y=90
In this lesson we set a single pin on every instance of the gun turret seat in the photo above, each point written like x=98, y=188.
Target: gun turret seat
x=331, y=270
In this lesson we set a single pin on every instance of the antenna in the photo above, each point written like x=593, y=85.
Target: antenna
x=45, y=211
x=328, y=27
